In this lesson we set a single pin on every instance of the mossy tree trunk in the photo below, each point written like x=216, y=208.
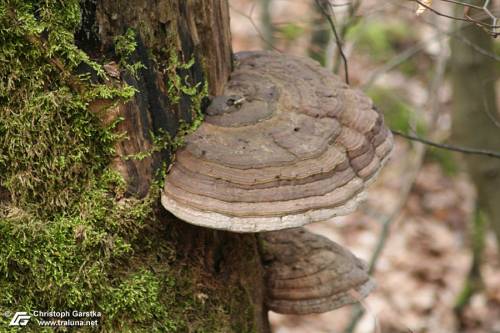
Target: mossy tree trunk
x=171, y=33
x=162, y=275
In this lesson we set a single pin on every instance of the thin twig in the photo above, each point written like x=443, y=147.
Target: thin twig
x=464, y=4
x=464, y=150
x=397, y=60
x=411, y=175
x=454, y=33
x=351, y=20
x=490, y=28
x=411, y=51
x=327, y=13
x=468, y=19
x=256, y=28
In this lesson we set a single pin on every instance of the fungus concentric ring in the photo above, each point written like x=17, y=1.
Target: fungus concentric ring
x=308, y=273
x=287, y=144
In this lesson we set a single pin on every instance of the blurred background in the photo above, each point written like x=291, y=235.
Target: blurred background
x=429, y=228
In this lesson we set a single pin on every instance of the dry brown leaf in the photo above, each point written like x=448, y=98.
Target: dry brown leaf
x=422, y=7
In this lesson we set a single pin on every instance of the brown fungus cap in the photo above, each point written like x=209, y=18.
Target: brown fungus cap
x=307, y=273
x=287, y=144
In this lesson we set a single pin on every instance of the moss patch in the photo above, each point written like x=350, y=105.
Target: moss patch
x=51, y=147
x=70, y=239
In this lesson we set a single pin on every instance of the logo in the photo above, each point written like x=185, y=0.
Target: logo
x=20, y=319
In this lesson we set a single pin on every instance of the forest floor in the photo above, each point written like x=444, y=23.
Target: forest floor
x=426, y=257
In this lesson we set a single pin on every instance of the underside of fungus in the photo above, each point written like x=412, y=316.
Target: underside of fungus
x=307, y=273
x=287, y=144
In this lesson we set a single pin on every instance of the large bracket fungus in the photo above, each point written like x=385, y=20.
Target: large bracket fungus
x=307, y=273
x=287, y=144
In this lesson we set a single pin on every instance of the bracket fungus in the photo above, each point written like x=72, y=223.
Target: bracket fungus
x=288, y=143
x=308, y=273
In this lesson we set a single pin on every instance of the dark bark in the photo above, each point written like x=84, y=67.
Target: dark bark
x=194, y=29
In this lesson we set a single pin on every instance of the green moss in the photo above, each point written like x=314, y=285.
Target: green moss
x=178, y=86
x=109, y=256
x=159, y=142
x=381, y=40
x=196, y=114
x=51, y=146
x=398, y=113
x=137, y=295
x=290, y=31
x=63, y=262
x=125, y=46
x=70, y=239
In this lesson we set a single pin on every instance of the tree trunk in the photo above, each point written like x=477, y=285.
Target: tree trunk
x=194, y=30
x=177, y=277
x=267, y=24
x=475, y=115
x=198, y=30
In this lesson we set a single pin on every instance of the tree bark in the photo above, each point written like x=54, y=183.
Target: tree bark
x=475, y=116
x=196, y=30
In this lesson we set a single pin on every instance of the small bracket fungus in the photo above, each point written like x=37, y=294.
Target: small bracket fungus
x=307, y=273
x=287, y=144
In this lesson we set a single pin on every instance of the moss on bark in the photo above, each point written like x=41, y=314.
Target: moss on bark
x=73, y=235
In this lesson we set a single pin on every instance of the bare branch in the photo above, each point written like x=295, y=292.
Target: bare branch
x=490, y=28
x=465, y=4
x=250, y=19
x=454, y=33
x=463, y=150
x=414, y=49
x=327, y=13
